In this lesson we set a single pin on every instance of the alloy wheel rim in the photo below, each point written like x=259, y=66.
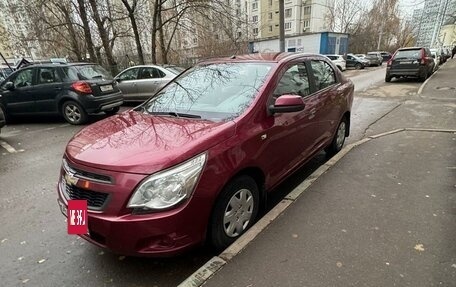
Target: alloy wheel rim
x=238, y=213
x=340, y=135
x=73, y=113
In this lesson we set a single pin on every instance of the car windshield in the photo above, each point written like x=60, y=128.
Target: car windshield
x=87, y=72
x=216, y=91
x=371, y=57
x=405, y=54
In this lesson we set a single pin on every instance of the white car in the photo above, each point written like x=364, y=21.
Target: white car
x=436, y=56
x=339, y=61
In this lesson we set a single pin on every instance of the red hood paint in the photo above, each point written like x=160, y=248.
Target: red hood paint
x=139, y=143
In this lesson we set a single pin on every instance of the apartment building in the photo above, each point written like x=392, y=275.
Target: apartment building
x=428, y=21
x=301, y=16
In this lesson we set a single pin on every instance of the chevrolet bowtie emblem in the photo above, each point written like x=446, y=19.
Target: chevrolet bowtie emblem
x=70, y=178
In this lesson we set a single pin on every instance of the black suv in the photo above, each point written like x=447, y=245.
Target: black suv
x=71, y=90
x=410, y=62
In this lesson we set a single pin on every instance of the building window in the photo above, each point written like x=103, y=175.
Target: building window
x=239, y=34
x=216, y=36
x=255, y=31
x=287, y=25
x=255, y=18
x=270, y=3
x=270, y=28
x=270, y=16
x=306, y=24
x=195, y=40
x=307, y=10
x=288, y=13
x=254, y=5
x=238, y=12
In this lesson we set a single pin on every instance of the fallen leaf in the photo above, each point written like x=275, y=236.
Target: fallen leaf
x=23, y=242
x=294, y=235
x=25, y=281
x=344, y=230
x=68, y=251
x=419, y=247
x=387, y=263
x=20, y=258
x=427, y=196
x=101, y=253
x=41, y=261
x=4, y=239
x=454, y=265
x=339, y=264
x=373, y=195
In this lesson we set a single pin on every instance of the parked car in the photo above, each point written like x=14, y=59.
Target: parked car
x=71, y=90
x=2, y=119
x=355, y=62
x=374, y=60
x=141, y=82
x=339, y=61
x=410, y=62
x=376, y=54
x=196, y=161
x=367, y=62
x=5, y=71
x=435, y=53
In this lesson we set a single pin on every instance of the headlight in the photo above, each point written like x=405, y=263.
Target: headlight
x=167, y=188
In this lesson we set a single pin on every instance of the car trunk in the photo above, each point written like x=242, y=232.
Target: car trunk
x=407, y=60
x=102, y=87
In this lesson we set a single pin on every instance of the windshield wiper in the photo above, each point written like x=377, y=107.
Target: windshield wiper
x=176, y=114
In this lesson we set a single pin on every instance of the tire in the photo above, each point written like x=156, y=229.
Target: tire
x=388, y=78
x=338, y=139
x=74, y=113
x=358, y=66
x=3, y=112
x=112, y=111
x=424, y=76
x=225, y=226
x=340, y=68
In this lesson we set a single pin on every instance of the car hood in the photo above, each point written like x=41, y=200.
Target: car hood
x=139, y=143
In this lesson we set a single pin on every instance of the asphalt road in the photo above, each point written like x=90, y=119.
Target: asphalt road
x=34, y=246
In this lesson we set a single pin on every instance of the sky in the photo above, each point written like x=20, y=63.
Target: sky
x=407, y=6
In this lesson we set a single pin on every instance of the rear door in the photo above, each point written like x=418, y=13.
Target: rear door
x=48, y=87
x=150, y=80
x=21, y=99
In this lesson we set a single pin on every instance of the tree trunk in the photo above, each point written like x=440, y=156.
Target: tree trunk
x=104, y=37
x=154, y=32
x=71, y=31
x=161, y=37
x=134, y=26
x=87, y=36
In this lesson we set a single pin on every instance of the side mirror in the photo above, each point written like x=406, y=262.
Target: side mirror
x=9, y=86
x=118, y=80
x=287, y=104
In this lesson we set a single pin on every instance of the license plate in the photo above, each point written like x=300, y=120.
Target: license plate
x=63, y=207
x=106, y=88
x=407, y=62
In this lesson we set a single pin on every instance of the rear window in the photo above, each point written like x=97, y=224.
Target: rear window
x=370, y=56
x=175, y=70
x=88, y=72
x=332, y=57
x=406, y=54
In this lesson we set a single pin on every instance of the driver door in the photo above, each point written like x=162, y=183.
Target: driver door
x=20, y=99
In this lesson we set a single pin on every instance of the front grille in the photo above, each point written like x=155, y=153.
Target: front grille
x=91, y=176
x=94, y=199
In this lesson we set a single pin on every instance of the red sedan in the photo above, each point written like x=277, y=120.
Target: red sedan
x=194, y=162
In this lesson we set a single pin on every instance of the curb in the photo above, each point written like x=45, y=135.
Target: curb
x=200, y=276
x=425, y=82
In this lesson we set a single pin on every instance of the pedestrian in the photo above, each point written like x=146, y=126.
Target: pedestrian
x=453, y=52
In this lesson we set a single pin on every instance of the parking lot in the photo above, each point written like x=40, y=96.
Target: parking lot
x=34, y=243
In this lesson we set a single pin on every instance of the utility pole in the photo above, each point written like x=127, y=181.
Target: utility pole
x=380, y=37
x=282, y=25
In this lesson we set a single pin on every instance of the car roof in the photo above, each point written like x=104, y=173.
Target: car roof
x=410, y=48
x=261, y=57
x=58, y=64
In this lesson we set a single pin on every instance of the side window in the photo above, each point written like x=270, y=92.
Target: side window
x=150, y=73
x=323, y=73
x=23, y=78
x=295, y=81
x=131, y=74
x=48, y=75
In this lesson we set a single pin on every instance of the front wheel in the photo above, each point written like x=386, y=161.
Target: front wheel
x=388, y=78
x=74, y=113
x=234, y=212
x=339, y=138
x=358, y=66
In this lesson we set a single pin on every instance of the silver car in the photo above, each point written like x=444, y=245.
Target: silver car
x=139, y=83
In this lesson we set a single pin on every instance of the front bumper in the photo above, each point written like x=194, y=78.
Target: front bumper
x=158, y=234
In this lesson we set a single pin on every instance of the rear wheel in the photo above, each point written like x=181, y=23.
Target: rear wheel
x=234, y=212
x=424, y=76
x=388, y=78
x=358, y=66
x=74, y=113
x=339, y=138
